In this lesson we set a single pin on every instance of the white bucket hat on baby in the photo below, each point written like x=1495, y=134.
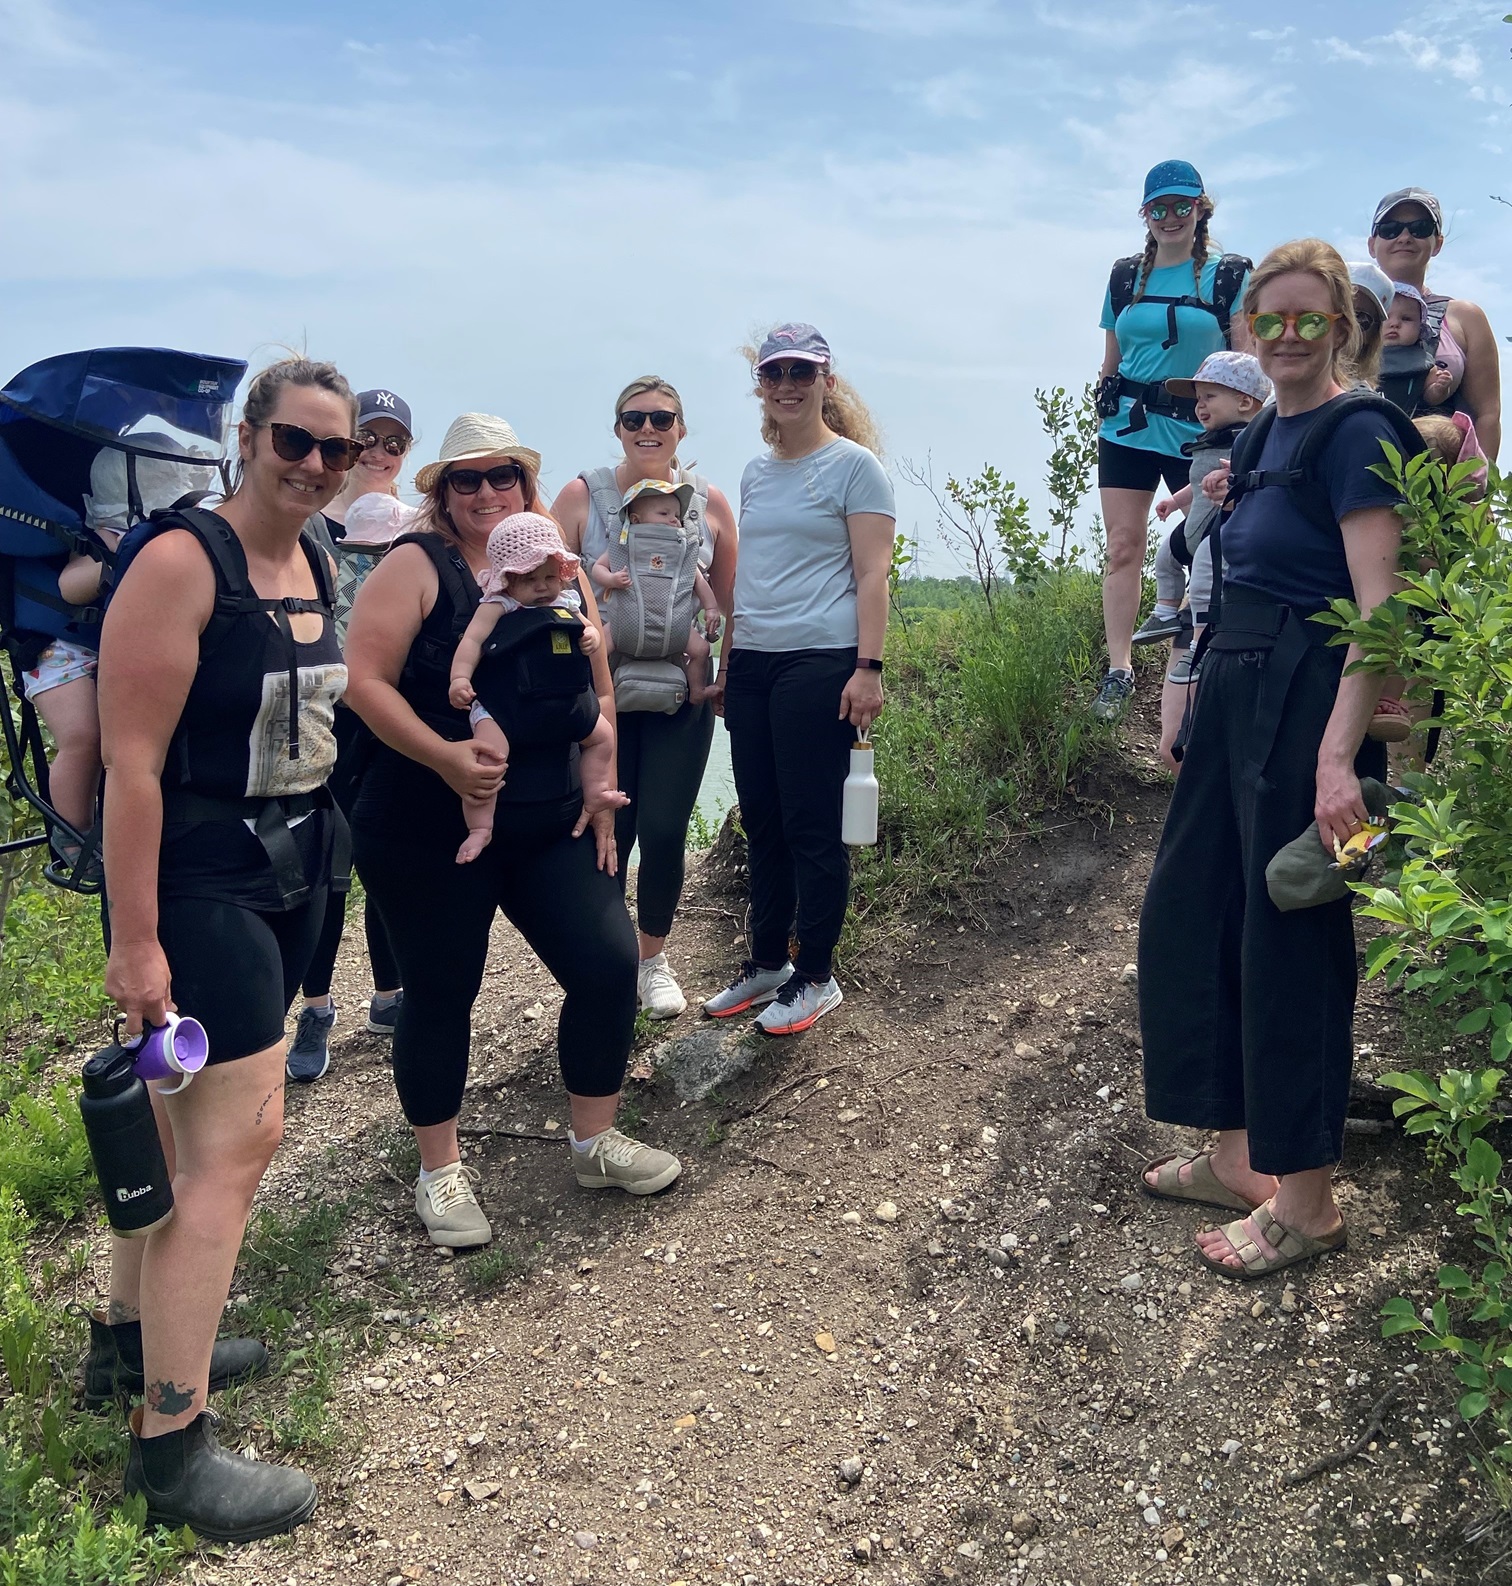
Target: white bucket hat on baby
x=1239, y=371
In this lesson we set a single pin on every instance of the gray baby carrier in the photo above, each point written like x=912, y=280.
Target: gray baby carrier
x=651, y=619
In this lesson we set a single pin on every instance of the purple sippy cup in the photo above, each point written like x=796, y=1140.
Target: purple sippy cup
x=177, y=1047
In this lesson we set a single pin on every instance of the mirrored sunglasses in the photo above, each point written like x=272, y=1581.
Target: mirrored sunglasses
x=1312, y=325
x=394, y=445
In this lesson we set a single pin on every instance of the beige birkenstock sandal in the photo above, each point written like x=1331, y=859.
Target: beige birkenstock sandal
x=1290, y=1247
x=1205, y=1189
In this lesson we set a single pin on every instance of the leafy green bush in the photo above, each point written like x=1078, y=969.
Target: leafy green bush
x=1449, y=904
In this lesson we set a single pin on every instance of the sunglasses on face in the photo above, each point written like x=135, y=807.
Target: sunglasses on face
x=394, y=445
x=1179, y=207
x=801, y=372
x=1313, y=325
x=1421, y=229
x=469, y=481
x=661, y=420
x=294, y=443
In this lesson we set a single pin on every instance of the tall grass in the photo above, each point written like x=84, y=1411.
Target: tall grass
x=986, y=723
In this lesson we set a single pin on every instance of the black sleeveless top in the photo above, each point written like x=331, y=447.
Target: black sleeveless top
x=255, y=741
x=536, y=772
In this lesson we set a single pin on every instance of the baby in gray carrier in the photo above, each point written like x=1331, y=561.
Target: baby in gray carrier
x=657, y=603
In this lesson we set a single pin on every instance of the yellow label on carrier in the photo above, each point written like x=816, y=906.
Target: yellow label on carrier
x=561, y=644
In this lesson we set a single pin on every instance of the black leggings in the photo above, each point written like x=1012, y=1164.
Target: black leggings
x=661, y=766
x=354, y=746
x=791, y=754
x=406, y=830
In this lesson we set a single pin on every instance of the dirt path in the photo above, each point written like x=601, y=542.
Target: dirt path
x=767, y=1376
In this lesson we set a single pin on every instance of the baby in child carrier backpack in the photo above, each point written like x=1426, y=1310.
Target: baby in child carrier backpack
x=534, y=649
x=658, y=604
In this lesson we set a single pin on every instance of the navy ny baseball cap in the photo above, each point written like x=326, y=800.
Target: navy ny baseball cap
x=383, y=405
x=1174, y=179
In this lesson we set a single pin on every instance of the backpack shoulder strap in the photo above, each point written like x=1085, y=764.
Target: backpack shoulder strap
x=1232, y=269
x=1248, y=445
x=1121, y=282
x=1433, y=322
x=455, y=575
x=320, y=569
x=605, y=494
x=1308, y=489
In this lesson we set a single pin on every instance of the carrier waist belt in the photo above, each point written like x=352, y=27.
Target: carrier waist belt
x=270, y=819
x=1251, y=621
x=1152, y=397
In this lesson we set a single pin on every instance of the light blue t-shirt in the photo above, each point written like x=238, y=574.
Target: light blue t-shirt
x=795, y=584
x=1141, y=329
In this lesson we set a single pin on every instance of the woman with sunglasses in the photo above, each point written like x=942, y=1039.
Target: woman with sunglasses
x=1164, y=311
x=550, y=877
x=1405, y=237
x=216, y=704
x=363, y=520
x=1248, y=1029
x=805, y=668
x=661, y=757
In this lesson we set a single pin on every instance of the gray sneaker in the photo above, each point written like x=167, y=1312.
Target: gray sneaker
x=1158, y=626
x=800, y=1005
x=310, y=1052
x=450, y=1210
x=1184, y=669
x=615, y=1161
x=750, y=987
x=1112, y=699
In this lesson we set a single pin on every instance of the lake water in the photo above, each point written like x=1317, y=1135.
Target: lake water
x=717, y=792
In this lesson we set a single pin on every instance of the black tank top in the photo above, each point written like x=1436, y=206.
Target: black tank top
x=257, y=726
x=548, y=772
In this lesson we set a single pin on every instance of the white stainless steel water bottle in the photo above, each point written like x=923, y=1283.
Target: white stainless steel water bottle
x=858, y=808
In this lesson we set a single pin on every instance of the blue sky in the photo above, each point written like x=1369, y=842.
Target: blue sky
x=518, y=207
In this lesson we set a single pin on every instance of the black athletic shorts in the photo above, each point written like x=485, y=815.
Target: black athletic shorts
x=237, y=970
x=1129, y=468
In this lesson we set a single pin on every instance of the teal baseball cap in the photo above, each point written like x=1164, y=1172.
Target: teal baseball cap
x=1172, y=179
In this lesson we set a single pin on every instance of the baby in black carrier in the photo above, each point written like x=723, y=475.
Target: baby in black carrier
x=541, y=685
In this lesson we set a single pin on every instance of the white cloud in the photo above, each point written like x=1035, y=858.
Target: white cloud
x=1338, y=50
x=1462, y=62
x=1124, y=25
x=1272, y=35
x=951, y=94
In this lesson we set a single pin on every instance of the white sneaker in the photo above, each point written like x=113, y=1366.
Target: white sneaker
x=450, y=1210
x=800, y=1005
x=751, y=986
x=660, y=995
x=615, y=1161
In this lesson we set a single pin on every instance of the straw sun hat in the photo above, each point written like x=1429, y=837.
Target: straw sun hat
x=472, y=437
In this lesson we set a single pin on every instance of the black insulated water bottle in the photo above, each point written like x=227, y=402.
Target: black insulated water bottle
x=123, y=1140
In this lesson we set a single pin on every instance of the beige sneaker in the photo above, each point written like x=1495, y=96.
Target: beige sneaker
x=618, y=1162
x=450, y=1210
x=660, y=995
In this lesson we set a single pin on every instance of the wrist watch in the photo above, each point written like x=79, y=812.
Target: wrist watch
x=864, y=663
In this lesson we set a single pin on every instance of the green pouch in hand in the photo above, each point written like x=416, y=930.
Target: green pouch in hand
x=1301, y=876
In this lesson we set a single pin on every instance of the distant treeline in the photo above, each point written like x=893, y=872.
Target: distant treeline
x=937, y=594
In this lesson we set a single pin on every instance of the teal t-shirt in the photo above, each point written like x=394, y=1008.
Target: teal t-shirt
x=1141, y=329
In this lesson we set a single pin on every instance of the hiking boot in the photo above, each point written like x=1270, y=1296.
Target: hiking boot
x=1184, y=669
x=1112, y=698
x=660, y=995
x=188, y=1479
x=615, y=1161
x=383, y=1016
x=309, y=1052
x=1158, y=626
x=113, y=1366
x=450, y=1210
x=751, y=986
x=800, y=1005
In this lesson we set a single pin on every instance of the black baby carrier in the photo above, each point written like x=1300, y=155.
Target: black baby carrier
x=534, y=679
x=127, y=421
x=1405, y=370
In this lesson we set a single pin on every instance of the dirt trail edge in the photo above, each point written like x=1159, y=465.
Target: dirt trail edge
x=906, y=1317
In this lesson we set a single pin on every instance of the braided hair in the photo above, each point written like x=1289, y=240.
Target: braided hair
x=1204, y=206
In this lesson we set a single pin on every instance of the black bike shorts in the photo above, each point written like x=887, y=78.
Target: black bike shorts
x=1130, y=468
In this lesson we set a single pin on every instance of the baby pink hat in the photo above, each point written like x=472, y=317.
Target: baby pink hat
x=520, y=543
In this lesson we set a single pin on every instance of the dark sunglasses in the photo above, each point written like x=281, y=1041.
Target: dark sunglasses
x=394, y=445
x=661, y=420
x=294, y=443
x=1179, y=207
x=1312, y=325
x=1421, y=229
x=469, y=481
x=801, y=372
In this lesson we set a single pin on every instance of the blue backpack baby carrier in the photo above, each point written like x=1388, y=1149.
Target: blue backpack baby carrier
x=133, y=416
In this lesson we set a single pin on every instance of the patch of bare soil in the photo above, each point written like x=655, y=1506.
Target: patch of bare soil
x=906, y=1316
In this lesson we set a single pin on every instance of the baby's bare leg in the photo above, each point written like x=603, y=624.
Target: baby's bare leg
x=479, y=813
x=596, y=760
x=696, y=665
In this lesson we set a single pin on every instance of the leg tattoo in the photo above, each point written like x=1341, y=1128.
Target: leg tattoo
x=120, y=1312
x=276, y=1091
x=168, y=1398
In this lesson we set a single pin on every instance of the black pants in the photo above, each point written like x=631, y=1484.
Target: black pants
x=354, y=748
x=1247, y=1013
x=661, y=766
x=791, y=754
x=406, y=830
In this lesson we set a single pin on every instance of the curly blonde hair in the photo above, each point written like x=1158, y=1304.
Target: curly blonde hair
x=844, y=411
x=1313, y=256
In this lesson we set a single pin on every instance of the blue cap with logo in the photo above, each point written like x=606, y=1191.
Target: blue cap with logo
x=382, y=404
x=793, y=340
x=1173, y=179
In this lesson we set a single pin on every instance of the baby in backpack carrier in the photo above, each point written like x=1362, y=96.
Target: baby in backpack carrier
x=529, y=568
x=659, y=501
x=1404, y=327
